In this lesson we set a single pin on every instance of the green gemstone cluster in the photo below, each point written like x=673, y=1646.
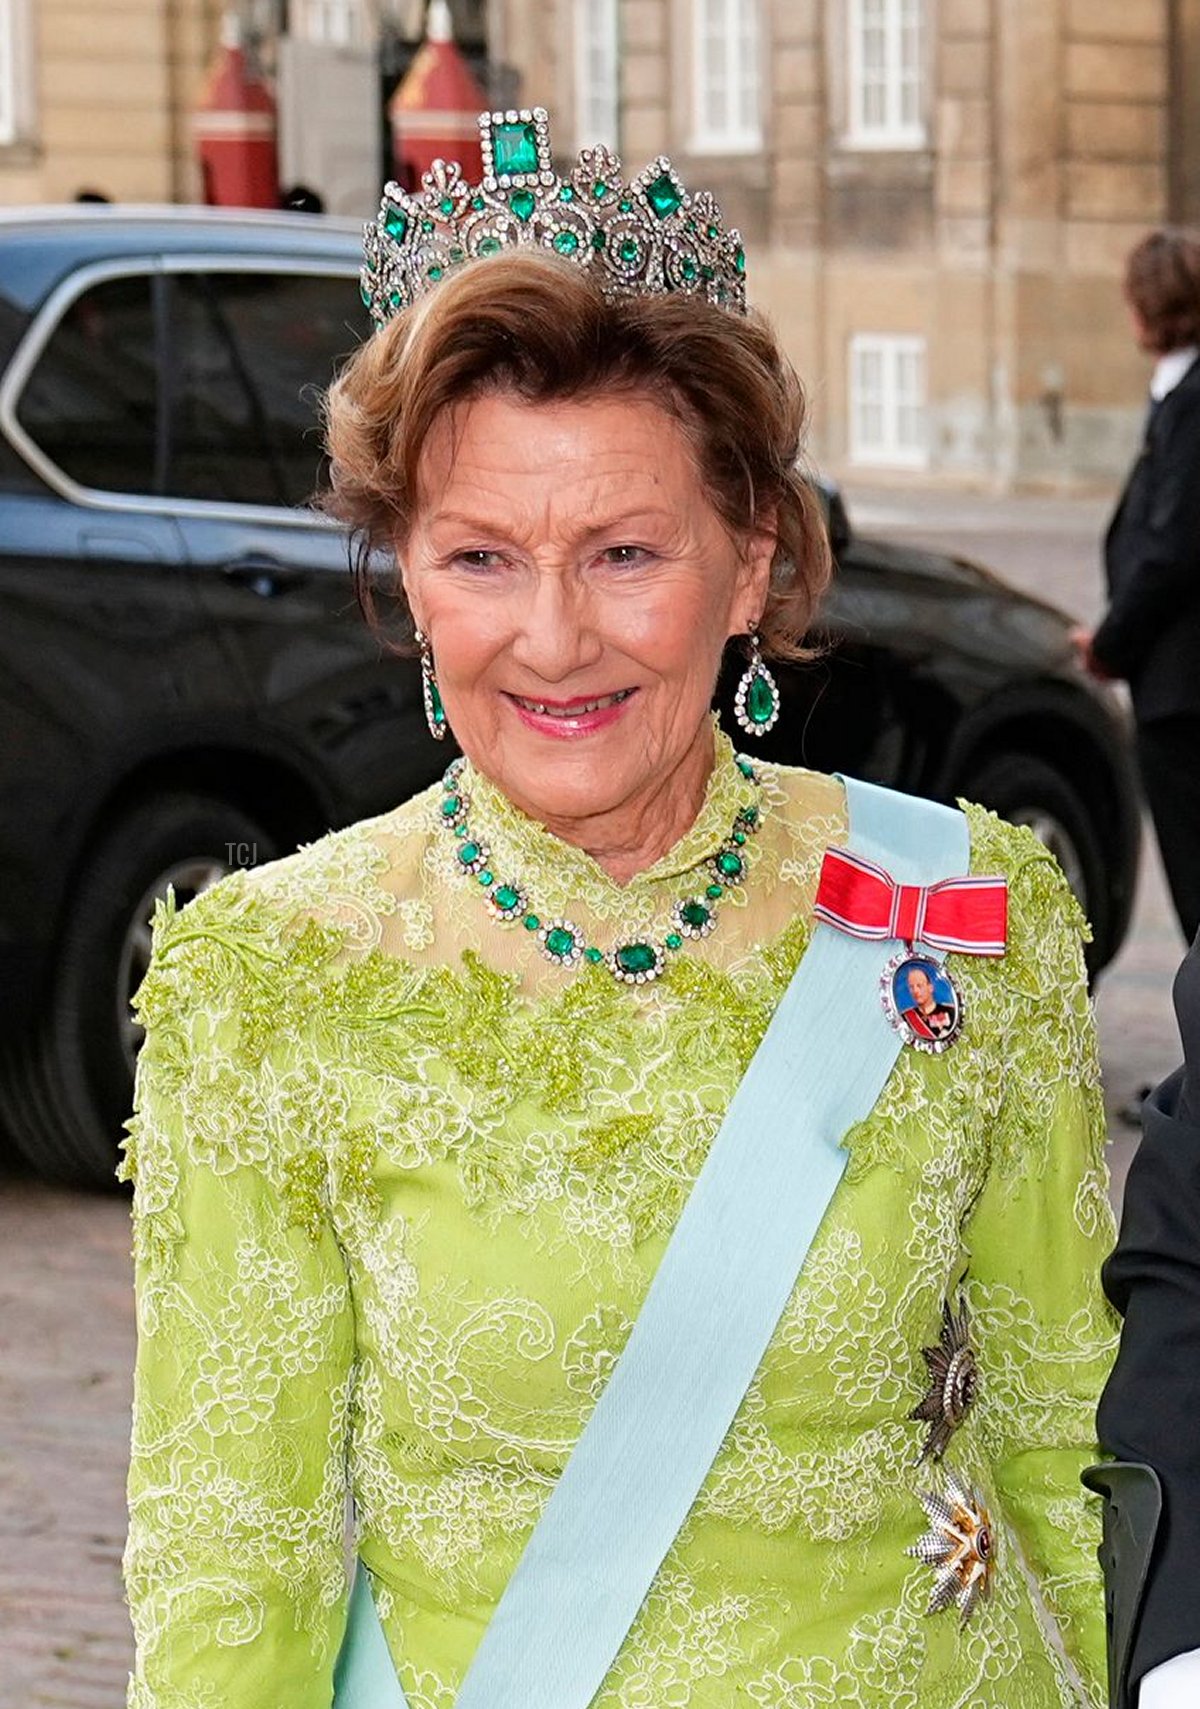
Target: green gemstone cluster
x=641, y=238
x=756, y=702
x=634, y=961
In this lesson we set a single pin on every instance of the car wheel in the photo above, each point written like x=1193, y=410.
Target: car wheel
x=66, y=1089
x=1027, y=790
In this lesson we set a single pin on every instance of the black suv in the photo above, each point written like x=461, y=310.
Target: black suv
x=186, y=684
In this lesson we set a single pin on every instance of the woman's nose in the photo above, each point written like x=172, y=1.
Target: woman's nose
x=558, y=633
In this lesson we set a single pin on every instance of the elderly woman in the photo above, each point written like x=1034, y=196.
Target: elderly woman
x=647, y=1394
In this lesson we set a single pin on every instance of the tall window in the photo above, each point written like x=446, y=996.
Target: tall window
x=887, y=400
x=16, y=92
x=726, y=58
x=330, y=23
x=596, y=75
x=885, y=84
x=8, y=75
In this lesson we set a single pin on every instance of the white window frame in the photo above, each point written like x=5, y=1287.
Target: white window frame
x=738, y=63
x=891, y=448
x=16, y=72
x=597, y=74
x=8, y=72
x=893, y=130
x=331, y=23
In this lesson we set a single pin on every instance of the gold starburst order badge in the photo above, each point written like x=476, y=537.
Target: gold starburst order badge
x=953, y=1381
x=960, y=1546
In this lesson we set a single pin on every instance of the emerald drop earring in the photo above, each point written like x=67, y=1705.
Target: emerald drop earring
x=435, y=712
x=756, y=703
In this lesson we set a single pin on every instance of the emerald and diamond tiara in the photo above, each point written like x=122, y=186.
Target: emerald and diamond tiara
x=644, y=238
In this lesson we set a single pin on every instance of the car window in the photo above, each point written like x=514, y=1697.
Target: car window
x=91, y=401
x=250, y=353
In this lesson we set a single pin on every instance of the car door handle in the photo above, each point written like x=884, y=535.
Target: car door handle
x=262, y=574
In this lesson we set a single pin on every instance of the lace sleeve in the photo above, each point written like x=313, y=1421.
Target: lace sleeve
x=1036, y=1238
x=234, y=1566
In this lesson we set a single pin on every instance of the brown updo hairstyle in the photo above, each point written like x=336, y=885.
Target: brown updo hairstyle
x=1162, y=282
x=538, y=327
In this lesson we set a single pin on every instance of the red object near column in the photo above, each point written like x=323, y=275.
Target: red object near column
x=435, y=110
x=236, y=130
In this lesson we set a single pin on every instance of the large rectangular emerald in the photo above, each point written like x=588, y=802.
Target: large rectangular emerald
x=663, y=195
x=514, y=148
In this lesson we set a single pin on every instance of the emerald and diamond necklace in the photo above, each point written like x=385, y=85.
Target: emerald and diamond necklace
x=632, y=960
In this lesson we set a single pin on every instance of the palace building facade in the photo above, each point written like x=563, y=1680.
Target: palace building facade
x=936, y=195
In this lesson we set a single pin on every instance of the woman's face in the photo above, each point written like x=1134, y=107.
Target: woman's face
x=577, y=589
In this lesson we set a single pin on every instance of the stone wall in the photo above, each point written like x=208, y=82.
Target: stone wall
x=113, y=90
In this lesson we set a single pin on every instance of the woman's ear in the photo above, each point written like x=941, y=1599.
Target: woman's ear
x=755, y=578
x=404, y=582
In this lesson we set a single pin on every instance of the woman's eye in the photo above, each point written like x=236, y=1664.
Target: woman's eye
x=626, y=554
x=479, y=559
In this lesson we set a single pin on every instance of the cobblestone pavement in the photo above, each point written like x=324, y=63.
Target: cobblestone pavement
x=66, y=1319
x=66, y=1351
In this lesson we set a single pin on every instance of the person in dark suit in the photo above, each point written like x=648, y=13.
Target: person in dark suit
x=1149, y=1416
x=1150, y=634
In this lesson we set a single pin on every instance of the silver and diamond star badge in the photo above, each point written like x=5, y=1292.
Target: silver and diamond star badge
x=953, y=1381
x=960, y=1546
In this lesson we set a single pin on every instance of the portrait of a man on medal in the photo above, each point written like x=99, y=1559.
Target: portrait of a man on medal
x=924, y=1000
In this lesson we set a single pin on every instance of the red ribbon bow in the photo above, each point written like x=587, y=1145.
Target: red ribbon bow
x=969, y=915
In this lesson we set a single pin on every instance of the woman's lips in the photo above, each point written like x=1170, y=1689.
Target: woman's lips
x=579, y=717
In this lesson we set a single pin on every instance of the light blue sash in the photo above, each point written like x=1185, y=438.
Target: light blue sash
x=708, y=1315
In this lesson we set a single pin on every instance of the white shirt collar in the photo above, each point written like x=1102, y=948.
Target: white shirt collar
x=1170, y=369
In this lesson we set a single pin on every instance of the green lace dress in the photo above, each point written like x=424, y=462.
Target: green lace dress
x=401, y=1185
